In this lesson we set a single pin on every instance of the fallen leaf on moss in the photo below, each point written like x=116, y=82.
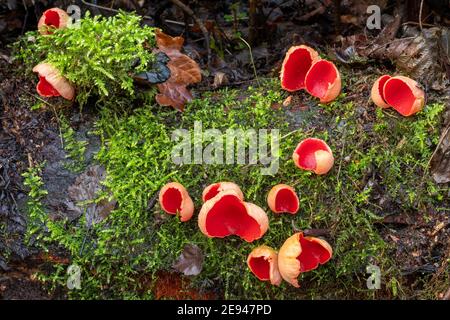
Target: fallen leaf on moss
x=83, y=193
x=190, y=262
x=183, y=72
x=173, y=95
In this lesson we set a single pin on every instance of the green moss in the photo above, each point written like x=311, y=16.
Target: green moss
x=74, y=147
x=99, y=55
x=386, y=154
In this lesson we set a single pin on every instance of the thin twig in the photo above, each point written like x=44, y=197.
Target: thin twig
x=54, y=111
x=26, y=17
x=420, y=15
x=342, y=156
x=251, y=58
x=200, y=24
x=143, y=16
x=447, y=129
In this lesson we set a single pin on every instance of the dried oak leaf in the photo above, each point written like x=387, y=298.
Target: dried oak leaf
x=184, y=71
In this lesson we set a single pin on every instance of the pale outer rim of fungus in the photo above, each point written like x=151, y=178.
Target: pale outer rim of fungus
x=58, y=82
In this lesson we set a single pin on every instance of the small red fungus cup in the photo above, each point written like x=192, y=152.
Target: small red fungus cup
x=214, y=189
x=314, y=155
x=174, y=199
x=297, y=62
x=52, y=83
x=283, y=198
x=227, y=214
x=404, y=95
x=301, y=254
x=51, y=19
x=323, y=81
x=263, y=263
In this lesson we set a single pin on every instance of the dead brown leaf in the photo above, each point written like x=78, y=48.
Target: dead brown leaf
x=184, y=71
x=165, y=43
x=190, y=262
x=173, y=95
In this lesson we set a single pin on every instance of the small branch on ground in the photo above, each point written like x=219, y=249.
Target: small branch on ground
x=200, y=24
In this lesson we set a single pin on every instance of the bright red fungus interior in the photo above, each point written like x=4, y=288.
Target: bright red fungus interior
x=295, y=69
x=212, y=192
x=171, y=200
x=399, y=95
x=229, y=216
x=306, y=152
x=312, y=254
x=52, y=18
x=46, y=89
x=322, y=74
x=286, y=201
x=260, y=267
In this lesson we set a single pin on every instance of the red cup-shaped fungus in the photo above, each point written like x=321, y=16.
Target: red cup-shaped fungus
x=404, y=95
x=53, y=18
x=174, y=199
x=377, y=93
x=52, y=83
x=323, y=81
x=214, y=189
x=283, y=198
x=297, y=62
x=227, y=214
x=314, y=155
x=302, y=254
x=263, y=263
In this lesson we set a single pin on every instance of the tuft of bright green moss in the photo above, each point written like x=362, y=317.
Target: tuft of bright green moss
x=138, y=239
x=99, y=55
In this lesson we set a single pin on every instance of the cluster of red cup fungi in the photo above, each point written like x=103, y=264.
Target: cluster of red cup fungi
x=51, y=82
x=224, y=213
x=303, y=69
x=297, y=255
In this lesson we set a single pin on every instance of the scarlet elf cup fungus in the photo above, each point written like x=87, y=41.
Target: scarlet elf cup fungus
x=282, y=198
x=404, y=95
x=314, y=155
x=263, y=263
x=297, y=62
x=53, y=18
x=227, y=214
x=302, y=254
x=401, y=93
x=323, y=81
x=52, y=83
x=174, y=199
x=213, y=189
x=303, y=69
